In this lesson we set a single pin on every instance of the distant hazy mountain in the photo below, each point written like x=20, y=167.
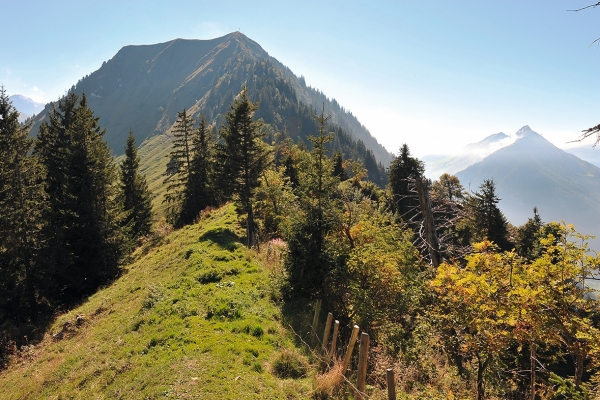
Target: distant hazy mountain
x=26, y=106
x=533, y=172
x=587, y=152
x=143, y=88
x=436, y=165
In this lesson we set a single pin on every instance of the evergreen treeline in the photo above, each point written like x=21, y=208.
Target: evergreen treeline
x=67, y=219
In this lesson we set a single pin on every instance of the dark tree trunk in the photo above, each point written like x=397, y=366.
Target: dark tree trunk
x=250, y=227
x=578, y=368
x=482, y=366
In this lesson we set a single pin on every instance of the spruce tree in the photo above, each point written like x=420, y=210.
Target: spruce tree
x=489, y=222
x=527, y=236
x=307, y=262
x=22, y=202
x=338, y=166
x=137, y=199
x=179, y=170
x=242, y=156
x=320, y=181
x=87, y=237
x=401, y=169
x=198, y=194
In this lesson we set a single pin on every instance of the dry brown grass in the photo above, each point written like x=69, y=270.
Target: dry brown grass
x=430, y=377
x=330, y=383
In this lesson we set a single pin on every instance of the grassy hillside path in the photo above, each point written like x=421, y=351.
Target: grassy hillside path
x=190, y=318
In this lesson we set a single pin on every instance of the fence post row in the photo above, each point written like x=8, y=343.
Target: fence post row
x=363, y=355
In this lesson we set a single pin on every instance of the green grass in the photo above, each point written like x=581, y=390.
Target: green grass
x=153, y=153
x=191, y=317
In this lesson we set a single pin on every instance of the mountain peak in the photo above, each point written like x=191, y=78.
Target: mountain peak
x=526, y=130
x=492, y=141
x=527, y=137
x=533, y=172
x=26, y=106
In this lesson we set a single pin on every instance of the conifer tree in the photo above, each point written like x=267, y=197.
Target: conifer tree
x=528, y=236
x=87, y=237
x=338, y=166
x=403, y=167
x=198, y=194
x=242, y=156
x=307, y=262
x=178, y=171
x=320, y=181
x=137, y=199
x=22, y=202
x=489, y=222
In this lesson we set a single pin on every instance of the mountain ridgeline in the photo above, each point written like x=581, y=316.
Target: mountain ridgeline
x=143, y=87
x=470, y=154
x=533, y=172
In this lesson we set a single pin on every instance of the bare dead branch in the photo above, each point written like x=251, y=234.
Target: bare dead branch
x=589, y=6
x=589, y=132
x=597, y=40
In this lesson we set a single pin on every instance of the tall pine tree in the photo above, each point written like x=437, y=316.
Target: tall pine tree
x=489, y=222
x=198, y=193
x=85, y=218
x=528, y=236
x=401, y=169
x=179, y=170
x=242, y=156
x=22, y=202
x=307, y=262
x=137, y=199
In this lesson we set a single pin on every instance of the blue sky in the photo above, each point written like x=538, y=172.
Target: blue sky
x=434, y=74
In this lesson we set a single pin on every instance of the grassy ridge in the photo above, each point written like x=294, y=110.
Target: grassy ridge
x=154, y=157
x=191, y=317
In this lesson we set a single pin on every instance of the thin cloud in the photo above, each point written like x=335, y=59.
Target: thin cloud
x=36, y=94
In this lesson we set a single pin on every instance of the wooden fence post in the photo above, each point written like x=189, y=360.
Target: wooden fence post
x=326, y=333
x=336, y=327
x=313, y=330
x=391, y=384
x=350, y=348
x=363, y=357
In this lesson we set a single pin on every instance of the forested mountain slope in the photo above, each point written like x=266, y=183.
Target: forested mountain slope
x=143, y=87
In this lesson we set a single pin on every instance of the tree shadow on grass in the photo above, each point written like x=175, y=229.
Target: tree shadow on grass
x=298, y=315
x=222, y=237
